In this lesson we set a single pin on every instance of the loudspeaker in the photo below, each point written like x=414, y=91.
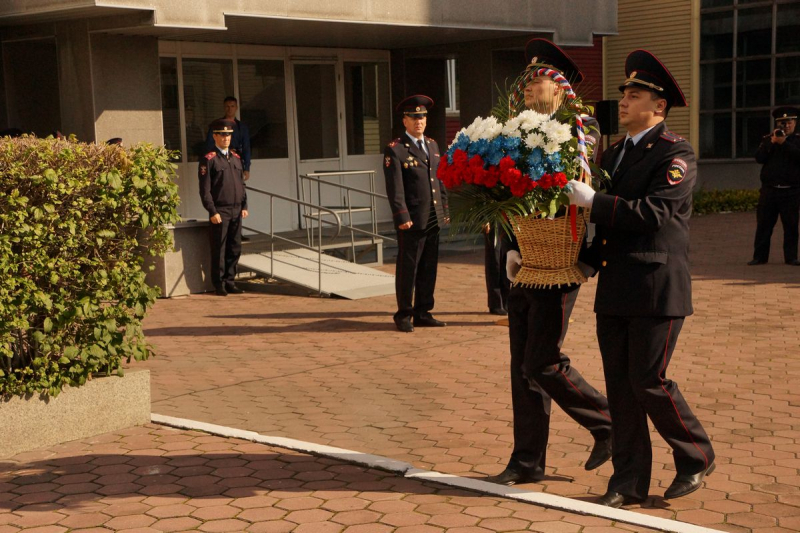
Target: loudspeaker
x=608, y=117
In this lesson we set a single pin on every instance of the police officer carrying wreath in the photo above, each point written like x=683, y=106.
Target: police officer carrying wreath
x=419, y=210
x=779, y=152
x=538, y=322
x=641, y=249
x=223, y=194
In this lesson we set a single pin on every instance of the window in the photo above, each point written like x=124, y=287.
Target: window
x=750, y=64
x=206, y=83
x=369, y=126
x=262, y=107
x=317, y=120
x=170, y=107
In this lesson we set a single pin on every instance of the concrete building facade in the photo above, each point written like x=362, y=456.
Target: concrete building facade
x=317, y=82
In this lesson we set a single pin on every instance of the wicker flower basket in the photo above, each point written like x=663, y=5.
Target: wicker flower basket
x=549, y=252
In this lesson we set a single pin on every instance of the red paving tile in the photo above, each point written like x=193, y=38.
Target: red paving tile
x=402, y=505
x=336, y=372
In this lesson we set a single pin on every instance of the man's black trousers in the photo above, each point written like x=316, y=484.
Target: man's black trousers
x=538, y=321
x=415, y=273
x=636, y=352
x=774, y=203
x=226, y=246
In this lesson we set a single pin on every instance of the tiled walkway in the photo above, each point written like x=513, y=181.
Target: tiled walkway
x=337, y=372
x=152, y=479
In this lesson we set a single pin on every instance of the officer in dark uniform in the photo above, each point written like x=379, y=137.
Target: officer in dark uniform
x=419, y=208
x=223, y=194
x=644, y=290
x=779, y=152
x=538, y=321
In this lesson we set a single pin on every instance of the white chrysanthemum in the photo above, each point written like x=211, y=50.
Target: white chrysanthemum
x=530, y=120
x=561, y=133
x=511, y=128
x=552, y=147
x=535, y=140
x=491, y=128
x=473, y=130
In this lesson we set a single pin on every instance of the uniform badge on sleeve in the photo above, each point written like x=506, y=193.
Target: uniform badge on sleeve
x=387, y=161
x=676, y=171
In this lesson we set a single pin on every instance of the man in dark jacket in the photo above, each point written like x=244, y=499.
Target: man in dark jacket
x=538, y=322
x=779, y=152
x=240, y=139
x=419, y=209
x=223, y=194
x=641, y=249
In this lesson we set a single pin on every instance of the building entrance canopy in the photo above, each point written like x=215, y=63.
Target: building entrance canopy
x=383, y=24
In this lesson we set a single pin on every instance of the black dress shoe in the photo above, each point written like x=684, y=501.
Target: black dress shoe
x=404, y=324
x=428, y=322
x=617, y=500
x=793, y=263
x=600, y=454
x=509, y=477
x=684, y=484
x=498, y=311
x=233, y=289
x=755, y=262
x=220, y=291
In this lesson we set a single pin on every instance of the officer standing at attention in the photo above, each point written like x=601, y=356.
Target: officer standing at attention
x=644, y=290
x=419, y=209
x=779, y=152
x=538, y=321
x=223, y=194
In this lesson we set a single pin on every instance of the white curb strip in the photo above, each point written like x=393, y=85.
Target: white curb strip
x=407, y=470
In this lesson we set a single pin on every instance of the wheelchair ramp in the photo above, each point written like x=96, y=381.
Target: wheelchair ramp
x=339, y=277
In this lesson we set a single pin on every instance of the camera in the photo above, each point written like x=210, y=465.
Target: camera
x=780, y=133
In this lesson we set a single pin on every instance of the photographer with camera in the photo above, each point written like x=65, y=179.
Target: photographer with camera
x=779, y=152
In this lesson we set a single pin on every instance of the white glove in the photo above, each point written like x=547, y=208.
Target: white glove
x=513, y=264
x=581, y=194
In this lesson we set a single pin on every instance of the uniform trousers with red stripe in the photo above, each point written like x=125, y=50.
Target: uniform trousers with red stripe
x=540, y=371
x=636, y=353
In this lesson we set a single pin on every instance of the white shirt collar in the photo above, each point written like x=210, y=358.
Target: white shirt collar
x=223, y=152
x=415, y=139
x=638, y=137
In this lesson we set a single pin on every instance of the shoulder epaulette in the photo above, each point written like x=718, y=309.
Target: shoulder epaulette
x=235, y=154
x=394, y=143
x=671, y=137
x=211, y=155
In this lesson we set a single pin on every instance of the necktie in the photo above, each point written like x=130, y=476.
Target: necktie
x=422, y=148
x=626, y=155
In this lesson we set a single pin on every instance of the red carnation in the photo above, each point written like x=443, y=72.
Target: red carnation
x=560, y=179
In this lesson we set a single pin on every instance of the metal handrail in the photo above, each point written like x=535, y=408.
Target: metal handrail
x=317, y=177
x=273, y=236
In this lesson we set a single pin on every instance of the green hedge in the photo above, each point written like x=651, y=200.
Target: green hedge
x=707, y=202
x=72, y=285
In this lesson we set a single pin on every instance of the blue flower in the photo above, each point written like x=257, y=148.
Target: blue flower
x=536, y=157
x=495, y=152
x=479, y=147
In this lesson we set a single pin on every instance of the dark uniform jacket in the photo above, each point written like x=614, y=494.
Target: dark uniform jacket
x=222, y=181
x=411, y=182
x=641, y=247
x=781, y=162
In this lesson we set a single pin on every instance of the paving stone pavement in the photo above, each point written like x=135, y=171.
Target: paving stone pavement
x=337, y=372
x=152, y=478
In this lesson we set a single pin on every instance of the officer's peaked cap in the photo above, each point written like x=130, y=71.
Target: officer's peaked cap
x=786, y=112
x=543, y=53
x=643, y=69
x=415, y=106
x=222, y=125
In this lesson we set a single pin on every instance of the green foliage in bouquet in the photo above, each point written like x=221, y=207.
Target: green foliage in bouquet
x=76, y=222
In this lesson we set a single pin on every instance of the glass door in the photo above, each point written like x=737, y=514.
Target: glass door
x=317, y=124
